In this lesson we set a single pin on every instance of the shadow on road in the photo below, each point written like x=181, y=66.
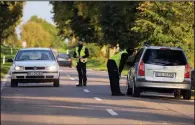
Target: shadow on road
x=50, y=106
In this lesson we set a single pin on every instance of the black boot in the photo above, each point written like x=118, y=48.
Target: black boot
x=79, y=85
x=84, y=83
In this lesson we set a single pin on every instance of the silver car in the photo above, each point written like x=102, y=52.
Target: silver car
x=160, y=69
x=34, y=65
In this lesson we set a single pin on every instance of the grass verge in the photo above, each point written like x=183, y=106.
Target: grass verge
x=4, y=69
x=99, y=64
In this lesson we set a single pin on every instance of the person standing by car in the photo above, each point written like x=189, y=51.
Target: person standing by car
x=81, y=53
x=115, y=66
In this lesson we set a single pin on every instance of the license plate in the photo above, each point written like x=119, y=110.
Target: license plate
x=164, y=74
x=34, y=73
x=61, y=59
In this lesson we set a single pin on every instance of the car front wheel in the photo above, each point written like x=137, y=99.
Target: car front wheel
x=14, y=83
x=56, y=83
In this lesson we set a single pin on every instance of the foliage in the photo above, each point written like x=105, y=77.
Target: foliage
x=10, y=17
x=35, y=35
x=94, y=50
x=163, y=23
x=128, y=24
x=39, y=33
x=99, y=22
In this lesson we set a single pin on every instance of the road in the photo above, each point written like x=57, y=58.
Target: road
x=43, y=104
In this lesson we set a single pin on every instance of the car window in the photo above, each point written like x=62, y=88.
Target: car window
x=26, y=55
x=138, y=56
x=164, y=57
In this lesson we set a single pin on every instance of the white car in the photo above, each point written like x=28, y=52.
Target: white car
x=34, y=65
x=160, y=69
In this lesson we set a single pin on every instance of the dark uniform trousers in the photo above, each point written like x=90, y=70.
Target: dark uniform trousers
x=81, y=69
x=113, y=76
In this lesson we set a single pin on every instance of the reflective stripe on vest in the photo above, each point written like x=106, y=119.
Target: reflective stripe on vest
x=117, y=57
x=82, y=53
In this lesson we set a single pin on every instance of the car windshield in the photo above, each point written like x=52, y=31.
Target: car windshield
x=63, y=56
x=26, y=55
x=164, y=57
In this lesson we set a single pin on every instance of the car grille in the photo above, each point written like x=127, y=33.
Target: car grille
x=49, y=76
x=20, y=77
x=30, y=77
x=34, y=68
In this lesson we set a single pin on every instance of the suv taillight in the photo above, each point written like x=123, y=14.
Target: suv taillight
x=141, y=71
x=187, y=71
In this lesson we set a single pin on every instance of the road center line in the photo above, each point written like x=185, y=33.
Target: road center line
x=111, y=112
x=98, y=99
x=86, y=90
x=72, y=78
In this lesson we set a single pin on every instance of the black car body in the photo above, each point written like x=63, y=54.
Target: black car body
x=64, y=60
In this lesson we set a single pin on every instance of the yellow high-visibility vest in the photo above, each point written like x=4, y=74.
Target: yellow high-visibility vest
x=117, y=57
x=82, y=53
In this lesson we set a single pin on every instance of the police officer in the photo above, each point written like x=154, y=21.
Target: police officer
x=115, y=66
x=81, y=53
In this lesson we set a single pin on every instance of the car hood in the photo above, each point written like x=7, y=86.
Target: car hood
x=34, y=63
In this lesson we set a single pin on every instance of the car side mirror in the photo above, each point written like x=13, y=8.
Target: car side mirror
x=9, y=60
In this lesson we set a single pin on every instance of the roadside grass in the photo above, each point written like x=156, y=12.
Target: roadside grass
x=5, y=68
x=6, y=51
x=99, y=64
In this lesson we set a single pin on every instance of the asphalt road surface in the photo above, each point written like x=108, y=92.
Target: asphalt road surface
x=43, y=104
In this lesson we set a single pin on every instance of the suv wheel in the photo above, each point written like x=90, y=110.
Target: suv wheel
x=14, y=83
x=129, y=90
x=56, y=83
x=177, y=94
x=135, y=91
x=187, y=94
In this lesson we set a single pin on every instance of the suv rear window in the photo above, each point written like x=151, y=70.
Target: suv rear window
x=164, y=57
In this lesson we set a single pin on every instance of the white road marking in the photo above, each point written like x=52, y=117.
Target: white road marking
x=72, y=78
x=86, y=90
x=111, y=112
x=98, y=99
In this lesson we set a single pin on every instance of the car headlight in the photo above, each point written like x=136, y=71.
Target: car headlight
x=19, y=68
x=52, y=68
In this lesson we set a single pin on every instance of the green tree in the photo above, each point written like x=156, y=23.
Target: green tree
x=99, y=22
x=10, y=15
x=37, y=32
x=35, y=35
x=166, y=24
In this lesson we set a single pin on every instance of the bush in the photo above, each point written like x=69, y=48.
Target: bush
x=94, y=50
